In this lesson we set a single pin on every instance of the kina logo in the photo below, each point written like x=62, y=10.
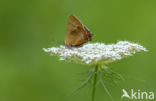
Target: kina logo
x=138, y=94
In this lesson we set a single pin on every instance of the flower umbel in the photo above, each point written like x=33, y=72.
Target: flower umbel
x=96, y=53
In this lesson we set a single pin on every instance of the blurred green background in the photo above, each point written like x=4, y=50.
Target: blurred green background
x=27, y=26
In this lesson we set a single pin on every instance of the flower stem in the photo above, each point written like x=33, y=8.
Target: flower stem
x=94, y=83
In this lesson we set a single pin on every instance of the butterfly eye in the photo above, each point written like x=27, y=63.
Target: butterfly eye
x=89, y=37
x=89, y=34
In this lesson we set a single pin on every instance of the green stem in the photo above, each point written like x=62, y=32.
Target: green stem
x=94, y=83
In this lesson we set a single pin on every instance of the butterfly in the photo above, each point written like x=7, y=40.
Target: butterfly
x=76, y=33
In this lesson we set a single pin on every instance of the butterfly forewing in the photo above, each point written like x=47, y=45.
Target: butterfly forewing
x=76, y=33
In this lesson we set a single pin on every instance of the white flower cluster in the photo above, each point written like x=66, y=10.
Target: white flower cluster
x=96, y=53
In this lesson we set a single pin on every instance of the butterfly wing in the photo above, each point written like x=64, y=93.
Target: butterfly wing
x=76, y=33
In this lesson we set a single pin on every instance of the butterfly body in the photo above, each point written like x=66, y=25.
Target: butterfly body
x=76, y=33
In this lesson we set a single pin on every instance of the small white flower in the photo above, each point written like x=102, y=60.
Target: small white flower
x=96, y=53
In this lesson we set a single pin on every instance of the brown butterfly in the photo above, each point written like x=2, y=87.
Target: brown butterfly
x=76, y=33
